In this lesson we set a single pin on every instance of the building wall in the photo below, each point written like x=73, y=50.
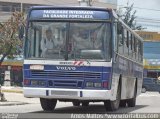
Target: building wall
x=151, y=45
x=151, y=49
x=99, y=3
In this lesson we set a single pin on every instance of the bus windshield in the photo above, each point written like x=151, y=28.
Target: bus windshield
x=68, y=40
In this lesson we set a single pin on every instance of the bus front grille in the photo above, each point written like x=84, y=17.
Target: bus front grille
x=65, y=75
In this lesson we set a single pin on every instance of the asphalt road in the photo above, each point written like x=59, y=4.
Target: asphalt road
x=146, y=103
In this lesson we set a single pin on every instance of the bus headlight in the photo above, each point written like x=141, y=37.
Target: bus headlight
x=89, y=84
x=38, y=83
x=97, y=85
x=34, y=82
x=42, y=83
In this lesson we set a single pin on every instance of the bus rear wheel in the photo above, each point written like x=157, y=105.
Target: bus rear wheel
x=48, y=104
x=113, y=105
x=85, y=104
x=132, y=102
x=123, y=103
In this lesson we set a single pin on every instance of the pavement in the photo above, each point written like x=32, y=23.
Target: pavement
x=7, y=90
x=14, y=96
x=12, y=89
x=14, y=99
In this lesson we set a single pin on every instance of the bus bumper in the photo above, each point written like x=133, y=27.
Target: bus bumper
x=55, y=93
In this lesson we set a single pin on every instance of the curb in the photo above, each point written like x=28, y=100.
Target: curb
x=12, y=103
x=12, y=91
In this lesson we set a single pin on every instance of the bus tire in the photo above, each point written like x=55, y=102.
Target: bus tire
x=123, y=103
x=132, y=102
x=85, y=104
x=113, y=105
x=76, y=103
x=48, y=104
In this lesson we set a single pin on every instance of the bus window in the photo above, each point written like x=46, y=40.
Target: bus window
x=115, y=29
x=46, y=39
x=141, y=51
x=120, y=39
x=125, y=43
x=29, y=44
x=89, y=38
x=134, y=48
x=130, y=44
x=137, y=49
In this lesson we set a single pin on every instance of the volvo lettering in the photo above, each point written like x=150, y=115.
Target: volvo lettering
x=65, y=68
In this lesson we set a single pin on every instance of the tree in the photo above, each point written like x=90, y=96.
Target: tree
x=129, y=16
x=10, y=44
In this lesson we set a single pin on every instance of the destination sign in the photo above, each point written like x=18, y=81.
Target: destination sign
x=68, y=14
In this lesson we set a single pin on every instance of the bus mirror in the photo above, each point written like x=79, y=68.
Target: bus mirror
x=21, y=32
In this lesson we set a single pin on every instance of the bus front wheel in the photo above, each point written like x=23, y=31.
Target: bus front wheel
x=76, y=103
x=48, y=104
x=113, y=105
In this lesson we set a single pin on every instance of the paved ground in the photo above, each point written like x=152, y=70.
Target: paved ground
x=12, y=89
x=146, y=103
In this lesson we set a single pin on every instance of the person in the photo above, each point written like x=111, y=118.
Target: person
x=47, y=44
x=81, y=40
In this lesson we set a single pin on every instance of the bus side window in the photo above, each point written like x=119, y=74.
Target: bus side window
x=115, y=32
x=137, y=50
x=134, y=46
x=125, y=43
x=140, y=51
x=120, y=38
x=130, y=44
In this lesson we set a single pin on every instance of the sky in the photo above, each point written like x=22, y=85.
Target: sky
x=148, y=12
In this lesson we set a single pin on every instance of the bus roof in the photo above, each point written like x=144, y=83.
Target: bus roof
x=71, y=7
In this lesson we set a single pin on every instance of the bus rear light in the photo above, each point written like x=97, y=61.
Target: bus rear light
x=105, y=84
x=26, y=82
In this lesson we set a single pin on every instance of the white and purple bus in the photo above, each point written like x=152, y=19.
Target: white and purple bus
x=95, y=57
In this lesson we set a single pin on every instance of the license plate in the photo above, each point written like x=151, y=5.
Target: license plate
x=64, y=93
x=36, y=67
